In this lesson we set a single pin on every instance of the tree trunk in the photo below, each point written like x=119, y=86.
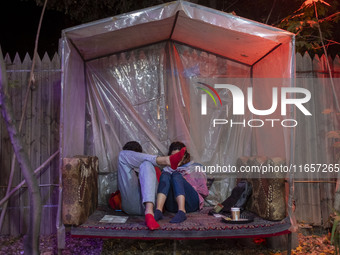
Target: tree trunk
x=31, y=242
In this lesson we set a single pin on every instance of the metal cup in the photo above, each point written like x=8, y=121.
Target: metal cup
x=235, y=213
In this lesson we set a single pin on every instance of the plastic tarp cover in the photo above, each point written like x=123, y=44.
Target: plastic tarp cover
x=225, y=34
x=135, y=77
x=73, y=103
x=144, y=95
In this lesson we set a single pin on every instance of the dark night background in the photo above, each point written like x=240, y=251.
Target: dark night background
x=19, y=19
x=19, y=23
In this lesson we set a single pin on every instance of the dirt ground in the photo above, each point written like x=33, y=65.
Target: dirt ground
x=308, y=243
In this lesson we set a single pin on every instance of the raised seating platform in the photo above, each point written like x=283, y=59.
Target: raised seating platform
x=199, y=225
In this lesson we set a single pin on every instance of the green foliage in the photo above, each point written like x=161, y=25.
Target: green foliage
x=305, y=24
x=335, y=136
x=335, y=237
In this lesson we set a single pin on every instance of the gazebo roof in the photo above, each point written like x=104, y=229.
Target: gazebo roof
x=224, y=34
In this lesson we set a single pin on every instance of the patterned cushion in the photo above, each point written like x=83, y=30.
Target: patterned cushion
x=80, y=188
x=268, y=197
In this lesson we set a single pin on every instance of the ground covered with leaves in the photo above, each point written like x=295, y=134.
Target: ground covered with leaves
x=48, y=245
x=308, y=243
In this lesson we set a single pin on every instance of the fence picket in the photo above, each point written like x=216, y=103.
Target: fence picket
x=54, y=136
x=25, y=132
x=5, y=163
x=45, y=152
x=15, y=92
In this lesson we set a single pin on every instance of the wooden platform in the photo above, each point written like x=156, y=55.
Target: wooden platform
x=199, y=225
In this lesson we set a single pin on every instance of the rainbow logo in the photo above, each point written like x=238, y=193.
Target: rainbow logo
x=204, y=97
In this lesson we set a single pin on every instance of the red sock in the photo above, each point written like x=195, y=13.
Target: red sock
x=176, y=158
x=151, y=222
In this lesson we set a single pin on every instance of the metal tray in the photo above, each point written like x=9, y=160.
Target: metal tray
x=240, y=221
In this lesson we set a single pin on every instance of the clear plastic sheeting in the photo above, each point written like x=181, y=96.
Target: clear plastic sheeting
x=131, y=77
x=220, y=190
x=231, y=36
x=144, y=95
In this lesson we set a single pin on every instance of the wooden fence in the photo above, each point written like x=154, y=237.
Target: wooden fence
x=314, y=199
x=41, y=134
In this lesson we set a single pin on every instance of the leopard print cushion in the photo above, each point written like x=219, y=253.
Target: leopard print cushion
x=80, y=189
x=268, y=197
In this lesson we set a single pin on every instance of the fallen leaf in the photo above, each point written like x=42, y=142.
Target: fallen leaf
x=333, y=134
x=327, y=111
x=299, y=248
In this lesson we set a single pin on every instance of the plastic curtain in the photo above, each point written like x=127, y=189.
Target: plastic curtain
x=146, y=95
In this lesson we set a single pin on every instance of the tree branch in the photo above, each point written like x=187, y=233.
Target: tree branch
x=270, y=13
x=31, y=244
x=328, y=65
x=36, y=171
x=32, y=239
x=329, y=17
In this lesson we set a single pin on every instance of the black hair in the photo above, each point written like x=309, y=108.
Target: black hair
x=133, y=146
x=175, y=146
x=178, y=146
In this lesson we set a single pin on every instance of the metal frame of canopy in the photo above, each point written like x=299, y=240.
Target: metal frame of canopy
x=231, y=37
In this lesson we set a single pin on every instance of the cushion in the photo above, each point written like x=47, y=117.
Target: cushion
x=268, y=197
x=80, y=188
